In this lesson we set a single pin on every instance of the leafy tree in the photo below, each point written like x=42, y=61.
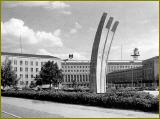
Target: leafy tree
x=32, y=85
x=50, y=74
x=74, y=83
x=38, y=80
x=8, y=75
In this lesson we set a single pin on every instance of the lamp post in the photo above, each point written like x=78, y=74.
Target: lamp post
x=132, y=71
x=135, y=56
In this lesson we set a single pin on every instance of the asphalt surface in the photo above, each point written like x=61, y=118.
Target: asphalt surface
x=26, y=108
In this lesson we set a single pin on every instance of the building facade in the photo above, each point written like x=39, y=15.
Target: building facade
x=150, y=72
x=144, y=76
x=76, y=72
x=27, y=66
x=126, y=78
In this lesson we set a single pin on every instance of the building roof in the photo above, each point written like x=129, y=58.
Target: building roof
x=28, y=55
x=110, y=61
x=151, y=59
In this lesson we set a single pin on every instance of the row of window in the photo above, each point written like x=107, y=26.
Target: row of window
x=126, y=66
x=26, y=82
x=26, y=69
x=75, y=71
x=110, y=67
x=71, y=86
x=15, y=62
x=77, y=78
x=75, y=66
x=25, y=76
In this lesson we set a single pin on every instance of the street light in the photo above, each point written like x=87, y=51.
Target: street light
x=132, y=71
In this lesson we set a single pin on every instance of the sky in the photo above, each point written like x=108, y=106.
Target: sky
x=60, y=28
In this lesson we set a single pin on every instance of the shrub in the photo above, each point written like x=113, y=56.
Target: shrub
x=113, y=99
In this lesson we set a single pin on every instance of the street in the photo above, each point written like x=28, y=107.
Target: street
x=27, y=108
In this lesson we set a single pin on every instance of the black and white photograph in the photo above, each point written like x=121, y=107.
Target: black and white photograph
x=79, y=59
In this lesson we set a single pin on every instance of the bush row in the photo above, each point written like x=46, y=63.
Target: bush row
x=111, y=99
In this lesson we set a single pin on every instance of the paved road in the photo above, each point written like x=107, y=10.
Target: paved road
x=27, y=108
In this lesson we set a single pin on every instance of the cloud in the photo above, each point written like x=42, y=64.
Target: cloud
x=76, y=55
x=74, y=30
x=57, y=5
x=43, y=4
x=66, y=12
x=57, y=32
x=77, y=25
x=43, y=52
x=16, y=28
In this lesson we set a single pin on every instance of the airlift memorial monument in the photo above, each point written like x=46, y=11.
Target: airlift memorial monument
x=100, y=52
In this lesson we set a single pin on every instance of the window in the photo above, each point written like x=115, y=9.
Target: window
x=21, y=62
x=15, y=62
x=32, y=76
x=26, y=69
x=36, y=69
x=41, y=64
x=31, y=69
x=26, y=82
x=15, y=68
x=31, y=63
x=21, y=75
x=21, y=69
x=68, y=77
x=26, y=62
x=36, y=63
x=21, y=82
x=26, y=76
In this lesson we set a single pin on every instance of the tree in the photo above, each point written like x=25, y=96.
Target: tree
x=50, y=74
x=74, y=83
x=32, y=85
x=8, y=75
x=38, y=80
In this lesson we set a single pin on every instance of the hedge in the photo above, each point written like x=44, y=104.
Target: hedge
x=112, y=99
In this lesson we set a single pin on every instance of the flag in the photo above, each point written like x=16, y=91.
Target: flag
x=115, y=26
x=109, y=23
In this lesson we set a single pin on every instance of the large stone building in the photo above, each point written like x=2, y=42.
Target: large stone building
x=79, y=70
x=27, y=66
x=145, y=76
x=121, y=73
x=151, y=72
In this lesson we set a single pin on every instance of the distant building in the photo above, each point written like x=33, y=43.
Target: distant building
x=145, y=76
x=78, y=71
x=27, y=66
x=126, y=78
x=150, y=71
